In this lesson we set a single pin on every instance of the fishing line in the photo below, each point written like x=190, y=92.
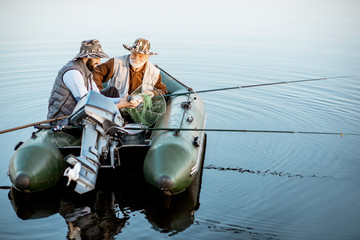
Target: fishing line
x=241, y=130
x=259, y=85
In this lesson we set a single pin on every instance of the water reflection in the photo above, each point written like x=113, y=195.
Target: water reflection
x=243, y=231
x=34, y=206
x=96, y=218
x=102, y=214
x=267, y=172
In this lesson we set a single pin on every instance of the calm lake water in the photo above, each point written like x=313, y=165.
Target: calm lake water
x=254, y=185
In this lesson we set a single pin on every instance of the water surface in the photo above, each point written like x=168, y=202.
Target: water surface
x=254, y=185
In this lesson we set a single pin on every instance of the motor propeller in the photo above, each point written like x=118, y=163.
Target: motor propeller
x=73, y=173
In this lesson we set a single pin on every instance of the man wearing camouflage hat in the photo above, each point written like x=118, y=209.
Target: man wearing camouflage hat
x=75, y=79
x=130, y=71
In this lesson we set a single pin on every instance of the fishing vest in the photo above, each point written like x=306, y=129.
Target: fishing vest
x=61, y=101
x=120, y=79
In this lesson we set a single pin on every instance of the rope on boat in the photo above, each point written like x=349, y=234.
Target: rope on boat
x=241, y=130
x=259, y=85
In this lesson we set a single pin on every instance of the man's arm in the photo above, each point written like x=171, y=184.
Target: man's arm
x=74, y=81
x=103, y=72
x=160, y=86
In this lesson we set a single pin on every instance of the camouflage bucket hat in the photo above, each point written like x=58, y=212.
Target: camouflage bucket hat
x=91, y=49
x=141, y=45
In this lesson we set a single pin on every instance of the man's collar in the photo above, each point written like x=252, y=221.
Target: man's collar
x=84, y=67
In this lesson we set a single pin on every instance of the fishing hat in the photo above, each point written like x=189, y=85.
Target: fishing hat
x=91, y=49
x=141, y=45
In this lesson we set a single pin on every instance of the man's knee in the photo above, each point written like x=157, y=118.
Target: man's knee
x=110, y=92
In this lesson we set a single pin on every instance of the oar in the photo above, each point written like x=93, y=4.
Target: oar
x=258, y=85
x=239, y=130
x=33, y=124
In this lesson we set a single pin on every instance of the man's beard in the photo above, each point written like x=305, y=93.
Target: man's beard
x=91, y=65
x=136, y=65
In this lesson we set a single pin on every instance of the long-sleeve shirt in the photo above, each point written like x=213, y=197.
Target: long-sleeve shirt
x=74, y=81
x=104, y=72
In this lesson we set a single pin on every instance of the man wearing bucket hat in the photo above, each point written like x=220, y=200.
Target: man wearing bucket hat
x=75, y=79
x=130, y=71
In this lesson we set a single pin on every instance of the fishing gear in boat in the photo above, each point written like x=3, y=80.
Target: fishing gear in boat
x=38, y=164
x=259, y=85
x=170, y=162
x=34, y=124
x=150, y=108
x=151, y=115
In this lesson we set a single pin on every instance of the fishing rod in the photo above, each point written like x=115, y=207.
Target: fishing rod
x=33, y=124
x=259, y=85
x=239, y=130
x=191, y=92
x=193, y=129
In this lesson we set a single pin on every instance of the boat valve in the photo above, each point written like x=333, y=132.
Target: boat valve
x=33, y=135
x=186, y=105
x=165, y=183
x=22, y=181
x=190, y=119
x=196, y=142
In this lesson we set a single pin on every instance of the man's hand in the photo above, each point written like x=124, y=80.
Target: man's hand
x=124, y=103
x=148, y=92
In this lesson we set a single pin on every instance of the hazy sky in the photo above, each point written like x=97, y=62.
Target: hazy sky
x=82, y=18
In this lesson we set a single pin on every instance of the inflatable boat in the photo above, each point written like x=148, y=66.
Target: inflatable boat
x=165, y=154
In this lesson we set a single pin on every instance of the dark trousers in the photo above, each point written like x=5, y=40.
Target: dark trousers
x=110, y=92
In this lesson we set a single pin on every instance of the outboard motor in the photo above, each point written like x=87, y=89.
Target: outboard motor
x=98, y=116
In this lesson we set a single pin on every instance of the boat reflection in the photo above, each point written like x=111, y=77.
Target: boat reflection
x=167, y=214
x=102, y=214
x=34, y=206
x=93, y=217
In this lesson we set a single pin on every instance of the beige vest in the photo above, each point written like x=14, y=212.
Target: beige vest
x=120, y=79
